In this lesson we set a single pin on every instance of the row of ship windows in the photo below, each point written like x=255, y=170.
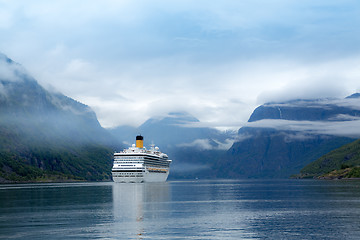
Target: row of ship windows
x=157, y=163
x=127, y=165
x=127, y=175
x=119, y=158
x=132, y=162
x=152, y=158
x=128, y=170
x=128, y=158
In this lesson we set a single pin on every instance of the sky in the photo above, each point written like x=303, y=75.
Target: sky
x=217, y=60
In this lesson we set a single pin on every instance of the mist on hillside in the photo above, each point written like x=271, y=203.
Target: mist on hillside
x=44, y=116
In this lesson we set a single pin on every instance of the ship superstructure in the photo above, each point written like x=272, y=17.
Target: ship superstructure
x=137, y=164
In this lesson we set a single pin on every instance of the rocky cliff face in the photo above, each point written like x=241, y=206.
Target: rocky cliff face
x=281, y=138
x=307, y=110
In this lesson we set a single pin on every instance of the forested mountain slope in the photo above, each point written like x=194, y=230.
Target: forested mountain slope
x=46, y=136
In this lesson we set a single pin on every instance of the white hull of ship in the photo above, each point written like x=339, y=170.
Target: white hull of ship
x=147, y=177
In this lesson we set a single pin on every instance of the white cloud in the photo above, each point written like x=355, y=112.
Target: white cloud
x=321, y=103
x=10, y=71
x=202, y=144
x=339, y=125
x=342, y=128
x=331, y=78
x=205, y=144
x=130, y=60
x=224, y=145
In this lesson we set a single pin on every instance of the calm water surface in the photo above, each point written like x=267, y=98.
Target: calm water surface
x=246, y=209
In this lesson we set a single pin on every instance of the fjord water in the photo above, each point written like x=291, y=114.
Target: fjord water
x=244, y=209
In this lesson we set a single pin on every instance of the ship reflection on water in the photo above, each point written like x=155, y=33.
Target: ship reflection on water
x=137, y=204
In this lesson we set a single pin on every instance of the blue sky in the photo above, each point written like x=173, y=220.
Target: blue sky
x=218, y=60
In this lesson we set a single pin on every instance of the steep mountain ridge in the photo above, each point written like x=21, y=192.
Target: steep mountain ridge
x=281, y=138
x=46, y=135
x=304, y=109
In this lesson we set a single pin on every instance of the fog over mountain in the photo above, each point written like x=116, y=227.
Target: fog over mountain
x=47, y=135
x=192, y=148
x=25, y=102
x=339, y=117
x=281, y=138
x=177, y=129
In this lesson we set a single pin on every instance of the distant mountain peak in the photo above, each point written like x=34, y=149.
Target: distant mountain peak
x=3, y=57
x=172, y=118
x=355, y=95
x=178, y=114
x=7, y=60
x=182, y=116
x=11, y=71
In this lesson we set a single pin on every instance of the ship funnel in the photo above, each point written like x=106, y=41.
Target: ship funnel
x=139, y=141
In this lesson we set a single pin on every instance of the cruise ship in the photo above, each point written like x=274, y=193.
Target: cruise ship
x=137, y=164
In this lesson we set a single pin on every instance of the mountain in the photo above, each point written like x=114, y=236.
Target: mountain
x=355, y=95
x=343, y=162
x=45, y=135
x=193, y=149
x=281, y=138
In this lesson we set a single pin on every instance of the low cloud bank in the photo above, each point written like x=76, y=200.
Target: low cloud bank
x=337, y=128
x=324, y=103
x=208, y=144
x=338, y=117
